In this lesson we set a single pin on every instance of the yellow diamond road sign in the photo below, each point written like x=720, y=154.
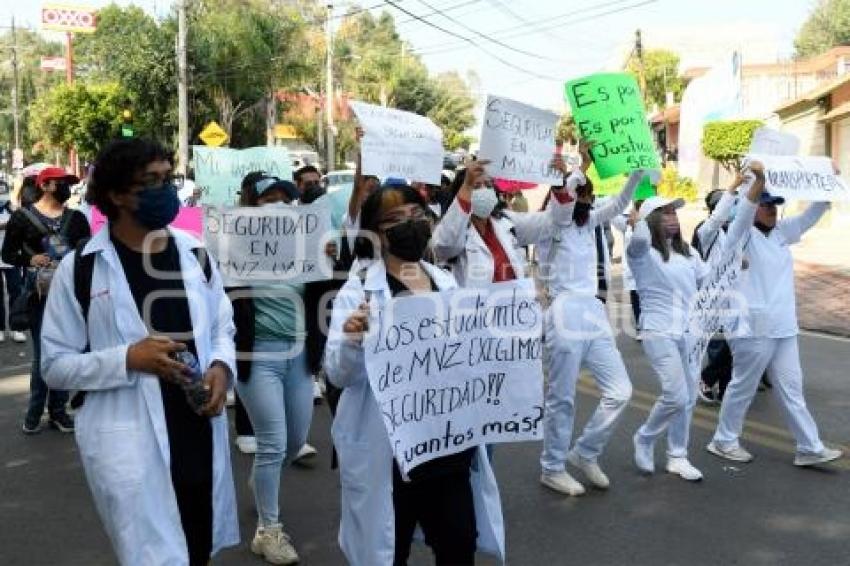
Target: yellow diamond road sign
x=213, y=135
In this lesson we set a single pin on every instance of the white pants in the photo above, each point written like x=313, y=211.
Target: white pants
x=578, y=334
x=781, y=358
x=675, y=407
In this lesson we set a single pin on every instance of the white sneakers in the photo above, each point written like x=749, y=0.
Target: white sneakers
x=683, y=468
x=828, y=455
x=562, y=482
x=18, y=336
x=644, y=455
x=590, y=469
x=274, y=545
x=247, y=444
x=736, y=453
x=305, y=455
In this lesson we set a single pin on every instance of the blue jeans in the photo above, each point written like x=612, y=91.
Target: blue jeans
x=279, y=400
x=39, y=392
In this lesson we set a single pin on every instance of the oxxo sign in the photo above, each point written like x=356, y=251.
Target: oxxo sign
x=79, y=19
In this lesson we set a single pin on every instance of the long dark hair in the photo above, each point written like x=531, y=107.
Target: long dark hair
x=655, y=221
x=374, y=208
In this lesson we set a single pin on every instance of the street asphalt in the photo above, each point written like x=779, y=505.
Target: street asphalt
x=764, y=513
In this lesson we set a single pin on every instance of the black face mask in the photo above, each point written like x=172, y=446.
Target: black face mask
x=763, y=228
x=311, y=192
x=408, y=240
x=581, y=212
x=62, y=192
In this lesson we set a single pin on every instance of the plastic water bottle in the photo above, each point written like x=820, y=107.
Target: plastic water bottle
x=197, y=395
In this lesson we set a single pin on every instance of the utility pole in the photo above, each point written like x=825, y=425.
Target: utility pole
x=330, y=155
x=182, y=91
x=15, y=117
x=641, y=68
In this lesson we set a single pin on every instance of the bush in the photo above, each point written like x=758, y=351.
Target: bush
x=728, y=141
x=674, y=186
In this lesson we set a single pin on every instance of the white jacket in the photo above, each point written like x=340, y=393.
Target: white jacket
x=456, y=239
x=367, y=524
x=121, y=430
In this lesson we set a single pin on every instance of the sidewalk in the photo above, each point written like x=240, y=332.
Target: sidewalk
x=823, y=298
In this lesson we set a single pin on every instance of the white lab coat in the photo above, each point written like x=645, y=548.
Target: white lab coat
x=120, y=430
x=456, y=240
x=367, y=525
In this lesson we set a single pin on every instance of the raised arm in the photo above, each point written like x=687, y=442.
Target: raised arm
x=618, y=204
x=449, y=238
x=358, y=194
x=709, y=229
x=793, y=228
x=751, y=190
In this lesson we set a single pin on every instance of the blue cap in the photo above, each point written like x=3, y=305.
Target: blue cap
x=395, y=182
x=767, y=198
x=273, y=183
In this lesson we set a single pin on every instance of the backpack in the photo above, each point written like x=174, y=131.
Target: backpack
x=83, y=274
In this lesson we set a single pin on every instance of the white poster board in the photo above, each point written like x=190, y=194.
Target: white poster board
x=519, y=141
x=454, y=369
x=767, y=141
x=399, y=144
x=802, y=178
x=270, y=244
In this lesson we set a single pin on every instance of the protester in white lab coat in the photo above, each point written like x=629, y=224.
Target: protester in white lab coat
x=485, y=245
x=454, y=499
x=578, y=335
x=667, y=272
x=766, y=338
x=157, y=465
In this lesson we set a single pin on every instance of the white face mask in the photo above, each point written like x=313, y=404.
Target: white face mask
x=483, y=202
x=275, y=204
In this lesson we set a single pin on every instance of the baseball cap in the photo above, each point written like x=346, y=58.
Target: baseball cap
x=395, y=182
x=652, y=204
x=273, y=183
x=51, y=173
x=767, y=198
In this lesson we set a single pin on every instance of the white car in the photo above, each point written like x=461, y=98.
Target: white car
x=336, y=180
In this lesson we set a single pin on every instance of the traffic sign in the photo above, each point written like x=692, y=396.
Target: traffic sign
x=285, y=132
x=213, y=135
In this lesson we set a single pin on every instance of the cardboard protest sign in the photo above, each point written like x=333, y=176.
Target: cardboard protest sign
x=189, y=219
x=270, y=244
x=802, y=178
x=712, y=308
x=454, y=369
x=399, y=144
x=519, y=141
x=219, y=170
x=608, y=110
x=767, y=141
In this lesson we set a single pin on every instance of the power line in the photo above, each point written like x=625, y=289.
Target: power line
x=487, y=37
x=512, y=31
x=471, y=42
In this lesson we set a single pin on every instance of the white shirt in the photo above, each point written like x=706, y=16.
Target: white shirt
x=767, y=285
x=575, y=259
x=711, y=231
x=666, y=288
x=4, y=217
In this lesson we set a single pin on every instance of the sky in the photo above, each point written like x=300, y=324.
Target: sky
x=527, y=49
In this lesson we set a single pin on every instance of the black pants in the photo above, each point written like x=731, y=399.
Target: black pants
x=443, y=506
x=243, y=422
x=719, y=367
x=635, y=300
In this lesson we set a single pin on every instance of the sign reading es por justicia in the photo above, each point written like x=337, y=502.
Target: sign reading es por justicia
x=80, y=19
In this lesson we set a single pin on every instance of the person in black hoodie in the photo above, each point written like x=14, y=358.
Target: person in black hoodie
x=37, y=237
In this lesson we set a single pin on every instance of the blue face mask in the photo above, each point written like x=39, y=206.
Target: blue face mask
x=157, y=206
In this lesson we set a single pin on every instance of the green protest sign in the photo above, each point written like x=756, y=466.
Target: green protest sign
x=608, y=110
x=219, y=171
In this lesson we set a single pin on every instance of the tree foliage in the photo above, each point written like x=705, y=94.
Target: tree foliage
x=661, y=69
x=728, y=141
x=674, y=186
x=85, y=117
x=827, y=26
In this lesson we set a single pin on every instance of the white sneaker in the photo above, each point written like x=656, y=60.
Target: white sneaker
x=231, y=399
x=306, y=454
x=274, y=545
x=683, y=468
x=2, y=336
x=736, y=454
x=644, y=455
x=828, y=455
x=590, y=469
x=19, y=337
x=247, y=444
x=562, y=482
x=317, y=392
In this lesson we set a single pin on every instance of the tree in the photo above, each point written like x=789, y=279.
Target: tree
x=661, y=69
x=136, y=52
x=80, y=116
x=827, y=26
x=728, y=141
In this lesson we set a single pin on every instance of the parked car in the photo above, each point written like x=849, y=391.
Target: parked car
x=336, y=180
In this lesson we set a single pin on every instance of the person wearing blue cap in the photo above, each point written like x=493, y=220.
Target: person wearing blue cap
x=766, y=336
